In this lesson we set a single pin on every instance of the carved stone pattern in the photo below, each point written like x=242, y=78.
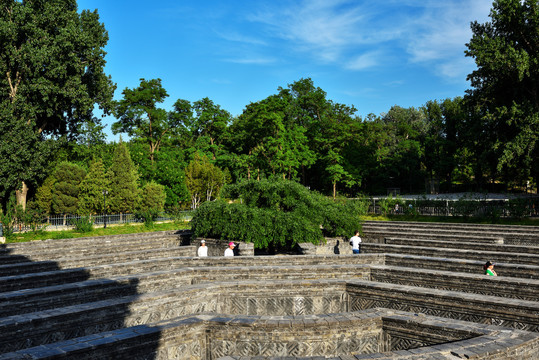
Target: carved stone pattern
x=362, y=303
x=398, y=343
x=299, y=348
x=282, y=306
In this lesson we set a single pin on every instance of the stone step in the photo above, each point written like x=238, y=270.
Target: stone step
x=514, y=229
x=461, y=265
x=90, y=240
x=277, y=298
x=479, y=308
x=187, y=337
x=28, y=280
x=478, y=283
x=72, y=260
x=377, y=236
x=44, y=298
x=51, y=251
x=462, y=245
x=20, y=331
x=513, y=258
x=514, y=235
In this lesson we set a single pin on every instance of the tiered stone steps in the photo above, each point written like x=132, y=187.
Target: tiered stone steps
x=146, y=297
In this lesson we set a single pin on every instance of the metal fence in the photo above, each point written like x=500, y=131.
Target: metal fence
x=66, y=222
x=457, y=207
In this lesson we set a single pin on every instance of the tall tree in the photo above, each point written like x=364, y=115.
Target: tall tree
x=268, y=141
x=203, y=179
x=444, y=120
x=65, y=193
x=91, y=189
x=140, y=117
x=153, y=197
x=505, y=88
x=44, y=195
x=170, y=165
x=124, y=194
x=51, y=76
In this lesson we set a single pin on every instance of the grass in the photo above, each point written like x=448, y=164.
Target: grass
x=110, y=230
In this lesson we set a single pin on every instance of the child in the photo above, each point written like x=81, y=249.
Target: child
x=489, y=269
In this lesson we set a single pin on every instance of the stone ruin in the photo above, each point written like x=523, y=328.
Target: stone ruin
x=417, y=291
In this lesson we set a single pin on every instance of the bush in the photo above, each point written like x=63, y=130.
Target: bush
x=83, y=224
x=274, y=214
x=9, y=218
x=148, y=217
x=466, y=207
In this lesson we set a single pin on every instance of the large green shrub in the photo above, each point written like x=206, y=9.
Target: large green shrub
x=83, y=224
x=274, y=214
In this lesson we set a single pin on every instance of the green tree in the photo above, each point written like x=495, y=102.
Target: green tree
x=66, y=188
x=444, y=120
x=153, y=197
x=44, y=195
x=210, y=121
x=51, y=67
x=140, y=117
x=203, y=179
x=170, y=172
x=505, y=89
x=91, y=189
x=269, y=140
x=124, y=194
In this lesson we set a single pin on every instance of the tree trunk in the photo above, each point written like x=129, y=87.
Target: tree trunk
x=21, y=195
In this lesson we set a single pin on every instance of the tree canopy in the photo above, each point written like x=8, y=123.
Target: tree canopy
x=51, y=76
x=274, y=214
x=505, y=87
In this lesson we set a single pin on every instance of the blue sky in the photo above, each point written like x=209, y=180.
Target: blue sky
x=370, y=54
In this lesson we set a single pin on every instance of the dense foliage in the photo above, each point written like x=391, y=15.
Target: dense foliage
x=51, y=66
x=51, y=77
x=505, y=89
x=274, y=214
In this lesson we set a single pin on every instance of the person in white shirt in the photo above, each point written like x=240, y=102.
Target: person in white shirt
x=230, y=249
x=355, y=241
x=202, y=249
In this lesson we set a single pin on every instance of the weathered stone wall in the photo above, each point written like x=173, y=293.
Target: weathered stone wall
x=337, y=246
x=217, y=247
x=212, y=336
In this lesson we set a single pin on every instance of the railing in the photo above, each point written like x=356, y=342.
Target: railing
x=65, y=222
x=457, y=207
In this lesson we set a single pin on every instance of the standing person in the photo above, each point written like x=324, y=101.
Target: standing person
x=355, y=241
x=489, y=269
x=202, y=249
x=230, y=249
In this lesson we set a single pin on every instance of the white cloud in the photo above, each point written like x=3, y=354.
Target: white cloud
x=255, y=61
x=240, y=38
x=441, y=33
x=354, y=34
x=326, y=29
x=365, y=61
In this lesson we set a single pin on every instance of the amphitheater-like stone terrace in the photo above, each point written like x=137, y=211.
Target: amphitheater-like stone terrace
x=417, y=292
